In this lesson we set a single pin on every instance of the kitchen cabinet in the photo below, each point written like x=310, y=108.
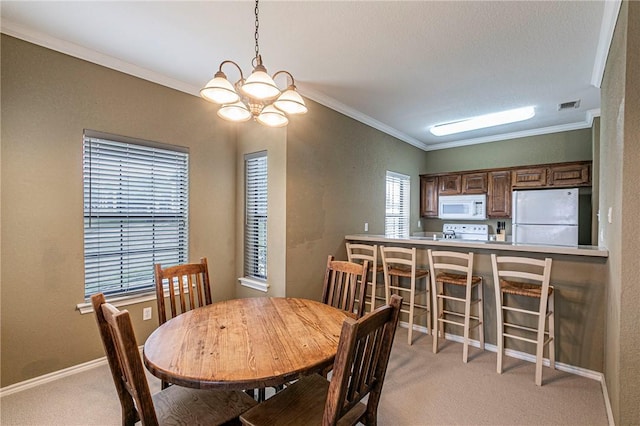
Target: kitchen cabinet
x=429, y=196
x=535, y=177
x=450, y=185
x=474, y=183
x=498, y=184
x=499, y=194
x=578, y=174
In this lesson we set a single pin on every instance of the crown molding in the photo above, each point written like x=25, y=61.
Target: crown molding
x=47, y=41
x=32, y=36
x=358, y=116
x=609, y=18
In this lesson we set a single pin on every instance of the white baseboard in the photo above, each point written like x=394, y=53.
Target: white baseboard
x=65, y=372
x=41, y=380
x=579, y=371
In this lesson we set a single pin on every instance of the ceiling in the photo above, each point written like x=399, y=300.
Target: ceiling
x=400, y=66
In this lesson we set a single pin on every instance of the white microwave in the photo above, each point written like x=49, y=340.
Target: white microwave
x=467, y=207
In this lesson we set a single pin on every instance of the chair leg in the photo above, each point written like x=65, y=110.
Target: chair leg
x=467, y=318
x=480, y=290
x=542, y=319
x=552, y=335
x=499, y=327
x=412, y=297
x=435, y=314
x=429, y=306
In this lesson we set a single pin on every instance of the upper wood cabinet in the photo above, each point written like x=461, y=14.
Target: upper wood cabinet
x=429, y=196
x=535, y=177
x=498, y=184
x=552, y=175
x=450, y=185
x=578, y=174
x=474, y=183
x=499, y=194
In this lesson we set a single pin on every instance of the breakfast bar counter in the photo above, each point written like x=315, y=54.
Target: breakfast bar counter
x=579, y=275
x=441, y=243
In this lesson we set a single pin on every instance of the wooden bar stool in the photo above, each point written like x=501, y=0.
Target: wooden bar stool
x=453, y=268
x=533, y=276
x=399, y=262
x=363, y=252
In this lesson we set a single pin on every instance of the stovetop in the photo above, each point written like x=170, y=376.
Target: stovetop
x=464, y=231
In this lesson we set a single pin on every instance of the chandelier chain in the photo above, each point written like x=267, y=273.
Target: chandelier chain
x=256, y=33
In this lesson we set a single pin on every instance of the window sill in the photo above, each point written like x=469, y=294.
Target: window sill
x=87, y=307
x=254, y=284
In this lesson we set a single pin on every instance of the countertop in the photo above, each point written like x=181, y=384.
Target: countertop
x=593, y=251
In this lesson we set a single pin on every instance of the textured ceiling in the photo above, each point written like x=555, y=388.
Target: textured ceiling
x=398, y=66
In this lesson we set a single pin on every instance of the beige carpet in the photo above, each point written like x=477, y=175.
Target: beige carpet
x=420, y=389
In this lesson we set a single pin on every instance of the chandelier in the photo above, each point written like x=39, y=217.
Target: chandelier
x=257, y=96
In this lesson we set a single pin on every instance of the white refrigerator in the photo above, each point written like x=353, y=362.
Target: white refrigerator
x=545, y=216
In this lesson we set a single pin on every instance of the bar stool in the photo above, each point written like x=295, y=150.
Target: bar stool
x=399, y=262
x=360, y=253
x=453, y=268
x=534, y=276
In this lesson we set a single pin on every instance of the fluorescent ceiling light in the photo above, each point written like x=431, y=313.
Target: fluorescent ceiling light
x=482, y=121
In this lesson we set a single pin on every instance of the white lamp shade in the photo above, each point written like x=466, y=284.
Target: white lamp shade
x=260, y=86
x=234, y=112
x=272, y=117
x=291, y=102
x=219, y=91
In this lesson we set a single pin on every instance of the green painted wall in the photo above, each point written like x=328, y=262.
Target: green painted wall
x=575, y=145
x=336, y=170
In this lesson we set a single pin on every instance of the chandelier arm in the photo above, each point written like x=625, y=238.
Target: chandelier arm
x=293, y=82
x=237, y=66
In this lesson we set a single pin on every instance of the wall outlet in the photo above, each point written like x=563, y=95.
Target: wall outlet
x=419, y=224
x=366, y=227
x=146, y=314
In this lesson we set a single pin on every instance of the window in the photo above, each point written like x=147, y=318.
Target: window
x=255, y=228
x=135, y=212
x=396, y=223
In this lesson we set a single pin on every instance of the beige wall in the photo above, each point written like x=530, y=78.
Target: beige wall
x=336, y=170
x=47, y=100
x=619, y=183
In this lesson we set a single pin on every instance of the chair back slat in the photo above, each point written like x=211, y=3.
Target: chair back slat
x=343, y=285
x=187, y=285
x=361, y=362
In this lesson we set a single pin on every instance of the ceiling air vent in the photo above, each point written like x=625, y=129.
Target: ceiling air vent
x=569, y=105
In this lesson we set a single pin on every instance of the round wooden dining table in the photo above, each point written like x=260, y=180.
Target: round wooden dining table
x=245, y=343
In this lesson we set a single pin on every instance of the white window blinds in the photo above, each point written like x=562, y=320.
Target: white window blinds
x=396, y=224
x=135, y=213
x=255, y=229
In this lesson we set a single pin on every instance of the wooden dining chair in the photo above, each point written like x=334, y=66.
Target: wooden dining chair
x=174, y=405
x=187, y=286
x=344, y=284
x=358, y=370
